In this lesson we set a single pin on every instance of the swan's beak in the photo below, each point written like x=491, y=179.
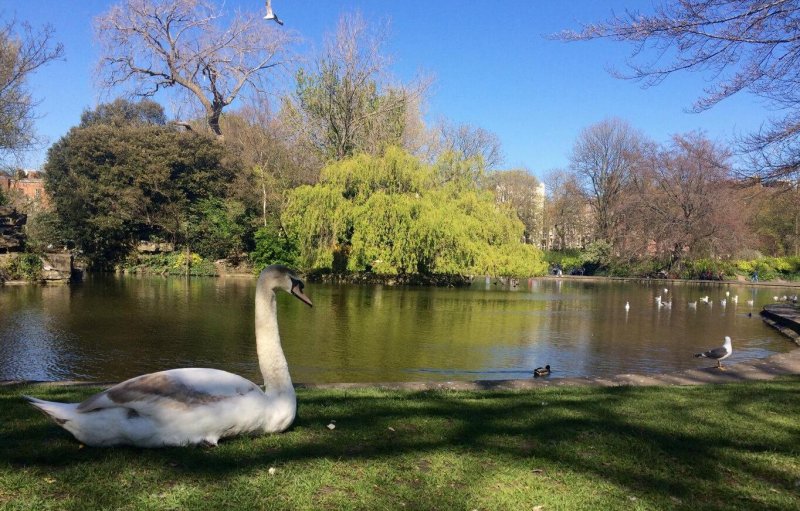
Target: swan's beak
x=297, y=290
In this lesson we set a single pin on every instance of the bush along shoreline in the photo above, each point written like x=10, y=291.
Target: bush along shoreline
x=767, y=269
x=574, y=262
x=27, y=267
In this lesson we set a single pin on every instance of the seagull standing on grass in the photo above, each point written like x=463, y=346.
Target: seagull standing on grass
x=718, y=354
x=271, y=15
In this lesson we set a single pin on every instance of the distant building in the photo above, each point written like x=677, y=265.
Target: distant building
x=27, y=184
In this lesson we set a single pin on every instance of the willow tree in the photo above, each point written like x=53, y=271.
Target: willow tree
x=152, y=45
x=387, y=214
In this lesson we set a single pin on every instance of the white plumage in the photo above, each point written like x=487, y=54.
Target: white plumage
x=271, y=15
x=194, y=405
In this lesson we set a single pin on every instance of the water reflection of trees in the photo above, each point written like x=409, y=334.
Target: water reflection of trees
x=111, y=328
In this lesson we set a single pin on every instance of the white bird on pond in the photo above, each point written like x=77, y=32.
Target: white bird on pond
x=271, y=15
x=723, y=302
x=718, y=354
x=627, y=306
x=750, y=303
x=666, y=290
x=704, y=299
x=194, y=406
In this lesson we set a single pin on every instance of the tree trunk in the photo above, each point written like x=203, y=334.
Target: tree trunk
x=212, y=116
x=264, y=202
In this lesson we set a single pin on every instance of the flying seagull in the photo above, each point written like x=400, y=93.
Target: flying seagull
x=271, y=15
x=720, y=353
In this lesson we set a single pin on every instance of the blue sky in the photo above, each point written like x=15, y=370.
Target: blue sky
x=492, y=66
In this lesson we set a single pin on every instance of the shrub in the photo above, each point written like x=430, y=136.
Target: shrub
x=175, y=263
x=273, y=246
x=24, y=267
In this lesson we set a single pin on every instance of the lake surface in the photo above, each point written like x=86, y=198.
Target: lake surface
x=110, y=328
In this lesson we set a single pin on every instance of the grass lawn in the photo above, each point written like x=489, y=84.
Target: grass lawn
x=734, y=446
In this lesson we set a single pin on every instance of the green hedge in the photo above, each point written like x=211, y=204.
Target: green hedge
x=174, y=263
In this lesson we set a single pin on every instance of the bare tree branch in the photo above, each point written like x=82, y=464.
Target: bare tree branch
x=151, y=45
x=741, y=45
x=22, y=52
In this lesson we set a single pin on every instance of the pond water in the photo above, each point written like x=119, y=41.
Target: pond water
x=110, y=328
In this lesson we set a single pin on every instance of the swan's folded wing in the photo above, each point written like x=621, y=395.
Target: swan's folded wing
x=179, y=388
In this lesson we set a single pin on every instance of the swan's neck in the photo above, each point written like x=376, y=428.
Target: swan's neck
x=271, y=359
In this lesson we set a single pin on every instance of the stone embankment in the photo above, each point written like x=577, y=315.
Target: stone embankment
x=12, y=239
x=785, y=317
x=56, y=267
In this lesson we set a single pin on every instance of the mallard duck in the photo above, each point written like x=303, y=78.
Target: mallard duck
x=194, y=406
x=718, y=354
x=541, y=371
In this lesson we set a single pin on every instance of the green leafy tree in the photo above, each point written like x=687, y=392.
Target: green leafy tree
x=272, y=246
x=112, y=185
x=388, y=215
x=217, y=228
x=121, y=113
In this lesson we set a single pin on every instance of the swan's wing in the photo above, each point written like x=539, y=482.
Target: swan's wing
x=178, y=388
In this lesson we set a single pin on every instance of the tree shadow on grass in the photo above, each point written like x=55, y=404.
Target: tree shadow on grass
x=695, y=447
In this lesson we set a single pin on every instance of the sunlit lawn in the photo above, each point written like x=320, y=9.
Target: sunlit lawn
x=733, y=446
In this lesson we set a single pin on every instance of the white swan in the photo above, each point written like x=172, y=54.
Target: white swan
x=194, y=405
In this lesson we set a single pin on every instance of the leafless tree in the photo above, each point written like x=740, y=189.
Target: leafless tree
x=567, y=216
x=469, y=141
x=603, y=158
x=522, y=191
x=775, y=217
x=741, y=45
x=151, y=45
x=687, y=200
x=22, y=51
x=347, y=102
x=265, y=147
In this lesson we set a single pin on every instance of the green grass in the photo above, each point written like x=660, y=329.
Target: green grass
x=723, y=447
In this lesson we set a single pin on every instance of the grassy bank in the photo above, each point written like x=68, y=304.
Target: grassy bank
x=712, y=447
